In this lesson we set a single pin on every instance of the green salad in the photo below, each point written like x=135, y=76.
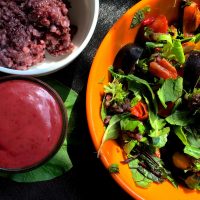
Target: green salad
x=151, y=106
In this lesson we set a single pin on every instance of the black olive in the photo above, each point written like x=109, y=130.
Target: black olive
x=192, y=70
x=127, y=57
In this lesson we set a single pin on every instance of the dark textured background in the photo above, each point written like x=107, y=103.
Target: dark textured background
x=88, y=179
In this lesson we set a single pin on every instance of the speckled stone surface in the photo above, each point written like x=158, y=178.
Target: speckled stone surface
x=88, y=179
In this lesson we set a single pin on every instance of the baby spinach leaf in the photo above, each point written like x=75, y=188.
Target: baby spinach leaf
x=179, y=118
x=170, y=91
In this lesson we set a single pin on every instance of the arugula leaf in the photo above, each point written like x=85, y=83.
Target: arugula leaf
x=139, y=16
x=113, y=168
x=180, y=118
x=112, y=130
x=171, y=90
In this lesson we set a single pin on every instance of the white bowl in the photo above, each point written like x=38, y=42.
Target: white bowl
x=83, y=14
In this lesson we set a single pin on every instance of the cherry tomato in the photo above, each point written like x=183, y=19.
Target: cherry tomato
x=159, y=25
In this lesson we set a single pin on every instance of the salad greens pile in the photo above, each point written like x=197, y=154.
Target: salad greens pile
x=151, y=107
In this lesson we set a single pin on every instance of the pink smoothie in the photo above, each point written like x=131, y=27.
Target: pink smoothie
x=30, y=123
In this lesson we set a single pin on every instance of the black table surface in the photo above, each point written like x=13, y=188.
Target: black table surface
x=88, y=179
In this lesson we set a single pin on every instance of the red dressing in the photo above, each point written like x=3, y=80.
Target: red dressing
x=30, y=123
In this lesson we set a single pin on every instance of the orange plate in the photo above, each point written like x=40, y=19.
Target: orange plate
x=119, y=35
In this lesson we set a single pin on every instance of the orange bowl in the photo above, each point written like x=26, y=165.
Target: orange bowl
x=119, y=35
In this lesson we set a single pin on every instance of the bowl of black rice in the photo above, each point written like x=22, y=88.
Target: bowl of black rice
x=39, y=37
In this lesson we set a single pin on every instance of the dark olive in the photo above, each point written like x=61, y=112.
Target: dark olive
x=127, y=57
x=192, y=69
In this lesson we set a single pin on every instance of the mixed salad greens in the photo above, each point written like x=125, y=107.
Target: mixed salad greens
x=152, y=104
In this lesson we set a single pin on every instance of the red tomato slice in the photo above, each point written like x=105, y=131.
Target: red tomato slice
x=159, y=25
x=163, y=69
x=140, y=111
x=159, y=71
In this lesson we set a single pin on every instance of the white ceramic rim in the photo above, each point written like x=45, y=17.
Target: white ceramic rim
x=39, y=72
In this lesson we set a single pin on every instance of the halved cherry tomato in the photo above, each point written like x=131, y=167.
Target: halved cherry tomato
x=140, y=111
x=159, y=25
x=163, y=69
